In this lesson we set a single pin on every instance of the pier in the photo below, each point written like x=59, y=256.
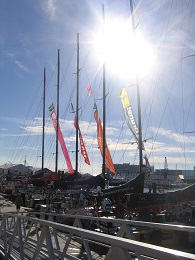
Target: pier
x=35, y=235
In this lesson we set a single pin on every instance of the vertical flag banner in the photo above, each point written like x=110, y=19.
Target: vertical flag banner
x=61, y=139
x=83, y=149
x=108, y=159
x=129, y=116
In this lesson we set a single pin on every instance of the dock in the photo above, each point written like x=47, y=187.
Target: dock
x=37, y=235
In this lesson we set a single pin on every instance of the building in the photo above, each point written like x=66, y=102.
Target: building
x=15, y=170
x=127, y=171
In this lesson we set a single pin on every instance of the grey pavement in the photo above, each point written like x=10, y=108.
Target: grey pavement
x=7, y=206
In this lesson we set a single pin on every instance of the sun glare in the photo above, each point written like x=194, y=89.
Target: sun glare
x=122, y=52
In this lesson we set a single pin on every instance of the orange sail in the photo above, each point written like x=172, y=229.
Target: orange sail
x=108, y=159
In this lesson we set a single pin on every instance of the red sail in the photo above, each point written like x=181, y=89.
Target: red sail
x=62, y=142
x=108, y=159
x=83, y=149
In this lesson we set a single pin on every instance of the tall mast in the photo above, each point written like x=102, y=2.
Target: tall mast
x=138, y=98
x=43, y=134
x=57, y=126
x=77, y=104
x=104, y=109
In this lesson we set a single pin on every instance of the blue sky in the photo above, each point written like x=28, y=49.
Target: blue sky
x=31, y=32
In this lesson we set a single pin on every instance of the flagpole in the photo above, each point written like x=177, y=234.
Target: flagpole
x=57, y=126
x=77, y=106
x=104, y=111
x=140, y=145
x=43, y=135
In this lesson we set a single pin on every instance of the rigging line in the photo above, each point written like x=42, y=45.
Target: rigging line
x=122, y=156
x=63, y=78
x=84, y=68
x=85, y=60
x=94, y=93
x=182, y=90
x=49, y=156
x=191, y=103
x=167, y=100
x=192, y=99
x=168, y=22
x=70, y=94
x=66, y=71
x=49, y=82
x=119, y=7
x=118, y=142
x=30, y=135
x=190, y=132
x=145, y=117
x=152, y=98
x=176, y=130
x=21, y=129
x=159, y=72
x=148, y=107
x=184, y=145
x=157, y=17
x=86, y=97
x=189, y=56
x=53, y=89
x=182, y=85
x=192, y=8
x=151, y=34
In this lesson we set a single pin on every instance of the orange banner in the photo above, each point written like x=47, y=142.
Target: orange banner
x=108, y=159
x=83, y=149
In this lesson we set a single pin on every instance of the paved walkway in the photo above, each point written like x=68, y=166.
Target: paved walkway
x=7, y=206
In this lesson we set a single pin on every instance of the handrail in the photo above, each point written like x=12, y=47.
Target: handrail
x=119, y=221
x=15, y=226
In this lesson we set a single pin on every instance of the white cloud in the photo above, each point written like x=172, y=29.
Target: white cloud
x=51, y=8
x=21, y=66
x=180, y=138
x=37, y=129
x=17, y=62
x=14, y=120
x=25, y=148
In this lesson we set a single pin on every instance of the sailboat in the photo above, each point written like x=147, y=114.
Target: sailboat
x=137, y=197
x=99, y=180
x=74, y=179
x=134, y=188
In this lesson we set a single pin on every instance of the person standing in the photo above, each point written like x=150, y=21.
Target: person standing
x=18, y=202
x=119, y=210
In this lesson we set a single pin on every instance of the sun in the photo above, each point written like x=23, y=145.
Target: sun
x=123, y=52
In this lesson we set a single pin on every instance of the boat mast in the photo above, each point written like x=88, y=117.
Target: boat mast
x=43, y=134
x=140, y=145
x=77, y=105
x=57, y=119
x=104, y=110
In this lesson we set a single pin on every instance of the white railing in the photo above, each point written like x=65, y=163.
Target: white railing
x=29, y=237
